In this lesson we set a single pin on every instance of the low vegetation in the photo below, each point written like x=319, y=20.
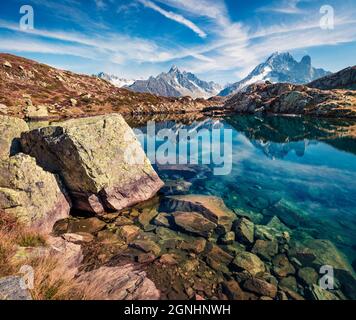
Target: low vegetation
x=49, y=283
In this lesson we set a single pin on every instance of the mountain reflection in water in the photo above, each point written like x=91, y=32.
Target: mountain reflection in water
x=307, y=164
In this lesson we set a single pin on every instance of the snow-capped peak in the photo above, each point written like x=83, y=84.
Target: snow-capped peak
x=174, y=69
x=115, y=80
x=279, y=67
x=176, y=83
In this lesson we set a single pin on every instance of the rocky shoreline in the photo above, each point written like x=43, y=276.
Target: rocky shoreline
x=170, y=247
x=289, y=99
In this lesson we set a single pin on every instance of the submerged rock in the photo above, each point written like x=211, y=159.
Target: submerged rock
x=122, y=221
x=228, y=238
x=146, y=217
x=10, y=289
x=318, y=293
x=245, y=231
x=90, y=225
x=290, y=214
x=249, y=262
x=265, y=249
x=100, y=160
x=291, y=294
x=31, y=194
x=129, y=232
x=308, y=276
x=194, y=222
x=233, y=291
x=289, y=283
x=219, y=255
x=174, y=187
x=146, y=246
x=162, y=220
x=260, y=287
x=196, y=245
x=169, y=259
x=326, y=253
x=212, y=208
x=10, y=132
x=281, y=266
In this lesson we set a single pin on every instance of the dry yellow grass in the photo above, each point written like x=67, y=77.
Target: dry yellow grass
x=50, y=281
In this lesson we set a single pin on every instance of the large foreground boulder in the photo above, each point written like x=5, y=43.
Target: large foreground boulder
x=10, y=132
x=31, y=194
x=99, y=159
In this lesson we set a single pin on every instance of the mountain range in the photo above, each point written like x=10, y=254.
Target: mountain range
x=279, y=67
x=176, y=83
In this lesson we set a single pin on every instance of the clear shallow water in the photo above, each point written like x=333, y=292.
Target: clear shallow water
x=305, y=165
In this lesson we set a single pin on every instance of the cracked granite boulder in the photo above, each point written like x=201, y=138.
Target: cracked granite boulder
x=100, y=160
x=30, y=194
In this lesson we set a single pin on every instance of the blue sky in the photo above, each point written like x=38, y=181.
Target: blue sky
x=220, y=40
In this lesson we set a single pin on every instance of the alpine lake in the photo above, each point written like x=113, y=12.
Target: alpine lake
x=291, y=186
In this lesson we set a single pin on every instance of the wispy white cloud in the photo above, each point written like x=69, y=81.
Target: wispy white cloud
x=175, y=17
x=232, y=48
x=117, y=48
x=284, y=6
x=215, y=10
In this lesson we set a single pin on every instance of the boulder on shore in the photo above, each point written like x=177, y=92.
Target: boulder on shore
x=99, y=159
x=10, y=132
x=125, y=282
x=31, y=194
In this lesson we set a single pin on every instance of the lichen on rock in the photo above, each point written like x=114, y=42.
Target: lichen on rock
x=99, y=159
x=10, y=132
x=31, y=194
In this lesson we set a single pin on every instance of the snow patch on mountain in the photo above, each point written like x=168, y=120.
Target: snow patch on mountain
x=115, y=80
x=279, y=67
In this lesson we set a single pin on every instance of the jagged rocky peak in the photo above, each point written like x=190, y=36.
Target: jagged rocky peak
x=177, y=83
x=174, y=69
x=279, y=67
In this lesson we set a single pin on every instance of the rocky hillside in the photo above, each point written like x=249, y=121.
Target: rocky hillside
x=344, y=79
x=279, y=67
x=32, y=89
x=284, y=98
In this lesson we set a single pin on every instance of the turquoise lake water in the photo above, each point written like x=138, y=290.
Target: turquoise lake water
x=307, y=166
